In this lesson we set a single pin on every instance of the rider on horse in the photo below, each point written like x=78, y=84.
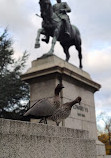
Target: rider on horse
x=61, y=8
x=56, y=24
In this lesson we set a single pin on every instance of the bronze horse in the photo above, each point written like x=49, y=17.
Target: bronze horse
x=53, y=26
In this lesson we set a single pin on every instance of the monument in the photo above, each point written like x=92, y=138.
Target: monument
x=43, y=76
x=45, y=72
x=56, y=24
x=77, y=136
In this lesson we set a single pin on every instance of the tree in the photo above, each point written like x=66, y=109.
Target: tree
x=14, y=93
x=107, y=124
x=105, y=135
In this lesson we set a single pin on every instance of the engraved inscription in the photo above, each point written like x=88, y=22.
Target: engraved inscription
x=81, y=110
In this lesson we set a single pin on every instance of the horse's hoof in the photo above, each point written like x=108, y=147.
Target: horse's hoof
x=37, y=45
x=80, y=66
x=50, y=52
x=46, y=55
x=67, y=59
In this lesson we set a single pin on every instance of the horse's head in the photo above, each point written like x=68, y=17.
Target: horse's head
x=45, y=4
x=44, y=1
x=46, y=9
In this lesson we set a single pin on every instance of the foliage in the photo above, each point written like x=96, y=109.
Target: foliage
x=104, y=138
x=105, y=135
x=14, y=93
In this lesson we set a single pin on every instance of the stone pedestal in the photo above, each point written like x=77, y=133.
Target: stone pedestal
x=45, y=74
x=43, y=77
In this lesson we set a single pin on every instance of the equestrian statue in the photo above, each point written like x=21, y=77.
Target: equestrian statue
x=56, y=23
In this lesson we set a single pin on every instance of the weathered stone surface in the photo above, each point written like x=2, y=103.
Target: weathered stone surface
x=52, y=64
x=100, y=148
x=105, y=156
x=27, y=128
x=31, y=140
x=46, y=71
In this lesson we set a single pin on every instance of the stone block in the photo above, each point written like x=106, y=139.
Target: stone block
x=40, y=89
x=27, y=128
x=72, y=90
x=100, y=148
x=73, y=123
x=46, y=71
x=31, y=140
x=105, y=156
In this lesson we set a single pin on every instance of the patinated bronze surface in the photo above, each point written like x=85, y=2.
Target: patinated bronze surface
x=56, y=23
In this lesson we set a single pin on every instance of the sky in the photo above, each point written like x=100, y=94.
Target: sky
x=93, y=19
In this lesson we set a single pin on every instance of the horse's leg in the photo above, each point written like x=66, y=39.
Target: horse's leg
x=52, y=46
x=37, y=42
x=55, y=37
x=80, y=56
x=66, y=51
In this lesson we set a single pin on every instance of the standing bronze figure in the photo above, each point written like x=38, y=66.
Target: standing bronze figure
x=56, y=24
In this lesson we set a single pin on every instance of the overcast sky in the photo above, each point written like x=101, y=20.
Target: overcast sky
x=93, y=18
